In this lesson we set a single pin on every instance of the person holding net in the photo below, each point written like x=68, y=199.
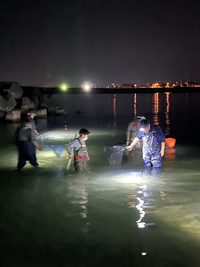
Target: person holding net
x=27, y=144
x=153, y=144
x=80, y=150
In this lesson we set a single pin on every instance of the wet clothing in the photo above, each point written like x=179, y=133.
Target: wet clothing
x=80, y=153
x=132, y=132
x=26, y=139
x=151, y=146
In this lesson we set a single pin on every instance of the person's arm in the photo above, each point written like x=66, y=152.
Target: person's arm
x=36, y=131
x=37, y=146
x=34, y=141
x=70, y=146
x=87, y=156
x=162, y=151
x=128, y=135
x=69, y=149
x=162, y=140
x=135, y=141
x=33, y=125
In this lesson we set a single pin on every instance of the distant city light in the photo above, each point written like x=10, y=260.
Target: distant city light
x=86, y=86
x=64, y=87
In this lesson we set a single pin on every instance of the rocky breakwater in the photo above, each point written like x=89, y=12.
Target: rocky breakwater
x=15, y=101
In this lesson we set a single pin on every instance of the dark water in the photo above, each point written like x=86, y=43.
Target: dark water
x=105, y=217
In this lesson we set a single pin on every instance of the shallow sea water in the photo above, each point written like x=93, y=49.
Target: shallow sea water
x=106, y=216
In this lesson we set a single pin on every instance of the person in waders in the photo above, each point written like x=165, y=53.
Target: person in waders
x=80, y=150
x=133, y=130
x=30, y=117
x=27, y=145
x=153, y=144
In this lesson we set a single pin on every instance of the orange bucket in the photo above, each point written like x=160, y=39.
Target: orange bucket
x=170, y=142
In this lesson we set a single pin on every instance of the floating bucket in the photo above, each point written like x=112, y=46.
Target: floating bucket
x=170, y=142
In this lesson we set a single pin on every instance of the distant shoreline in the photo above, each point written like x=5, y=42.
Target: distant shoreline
x=56, y=90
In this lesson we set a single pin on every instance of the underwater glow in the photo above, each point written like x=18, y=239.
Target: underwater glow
x=132, y=177
x=60, y=134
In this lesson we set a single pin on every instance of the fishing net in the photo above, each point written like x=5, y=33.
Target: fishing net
x=57, y=149
x=113, y=155
x=41, y=140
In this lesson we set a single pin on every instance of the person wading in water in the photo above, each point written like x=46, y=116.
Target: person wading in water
x=80, y=150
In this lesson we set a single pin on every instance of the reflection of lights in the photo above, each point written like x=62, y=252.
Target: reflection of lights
x=135, y=105
x=140, y=224
x=170, y=154
x=132, y=178
x=114, y=110
x=142, y=129
x=131, y=204
x=143, y=186
x=156, y=108
x=114, y=105
x=56, y=135
x=83, y=202
x=144, y=253
x=162, y=194
x=79, y=196
x=121, y=178
x=167, y=120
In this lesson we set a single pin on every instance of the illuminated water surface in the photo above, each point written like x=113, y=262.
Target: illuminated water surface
x=106, y=216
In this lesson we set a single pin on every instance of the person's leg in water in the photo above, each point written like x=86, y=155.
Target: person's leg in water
x=80, y=164
x=32, y=156
x=147, y=163
x=33, y=160
x=21, y=160
x=22, y=156
x=156, y=162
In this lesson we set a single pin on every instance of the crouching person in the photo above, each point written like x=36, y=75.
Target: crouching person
x=80, y=150
x=27, y=145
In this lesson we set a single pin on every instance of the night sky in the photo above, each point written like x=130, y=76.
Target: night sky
x=46, y=42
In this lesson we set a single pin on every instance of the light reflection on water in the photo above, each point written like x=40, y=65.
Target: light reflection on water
x=113, y=217
x=155, y=108
x=167, y=119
